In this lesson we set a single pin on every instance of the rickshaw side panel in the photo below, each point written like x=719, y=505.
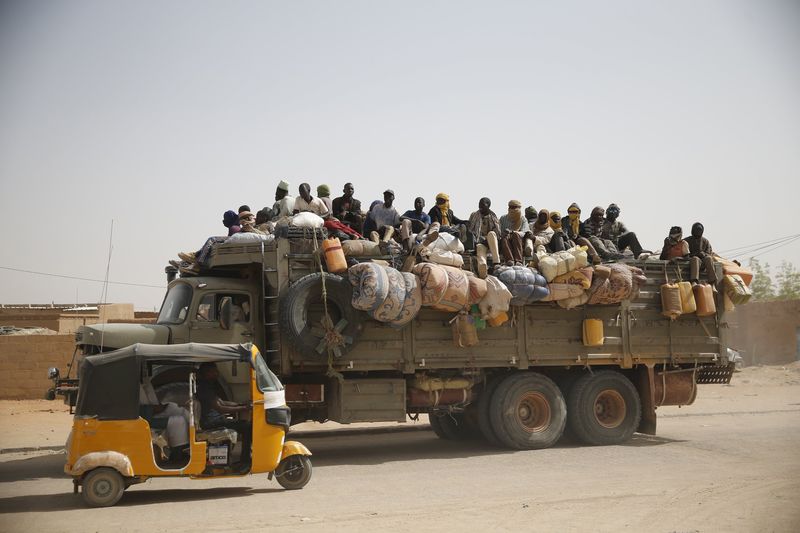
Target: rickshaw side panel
x=131, y=439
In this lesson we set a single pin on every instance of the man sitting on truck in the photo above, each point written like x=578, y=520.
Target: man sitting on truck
x=485, y=229
x=593, y=231
x=414, y=223
x=347, y=209
x=700, y=252
x=514, y=229
x=443, y=219
x=306, y=202
x=284, y=204
x=616, y=232
x=385, y=217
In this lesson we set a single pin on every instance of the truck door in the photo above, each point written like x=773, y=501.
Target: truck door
x=205, y=324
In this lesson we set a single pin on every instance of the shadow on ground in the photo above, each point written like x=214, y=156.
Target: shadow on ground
x=132, y=497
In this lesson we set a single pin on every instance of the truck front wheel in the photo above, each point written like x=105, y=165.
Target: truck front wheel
x=604, y=408
x=528, y=411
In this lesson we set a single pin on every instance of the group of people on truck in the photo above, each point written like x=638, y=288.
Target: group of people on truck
x=509, y=238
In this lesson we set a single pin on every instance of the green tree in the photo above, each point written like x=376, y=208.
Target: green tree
x=788, y=282
x=761, y=286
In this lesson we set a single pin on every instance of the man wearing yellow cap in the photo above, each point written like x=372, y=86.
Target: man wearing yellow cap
x=443, y=219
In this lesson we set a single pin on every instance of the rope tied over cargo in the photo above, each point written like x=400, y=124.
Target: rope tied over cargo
x=332, y=338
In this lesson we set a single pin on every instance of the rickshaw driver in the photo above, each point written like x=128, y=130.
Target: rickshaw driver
x=213, y=409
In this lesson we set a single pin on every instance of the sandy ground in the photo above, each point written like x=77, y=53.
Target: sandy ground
x=730, y=462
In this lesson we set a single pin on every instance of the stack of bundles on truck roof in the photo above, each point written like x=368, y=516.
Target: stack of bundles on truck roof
x=360, y=248
x=385, y=293
x=560, y=263
x=526, y=284
x=445, y=250
x=444, y=287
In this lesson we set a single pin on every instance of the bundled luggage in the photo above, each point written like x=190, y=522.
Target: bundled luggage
x=494, y=305
x=386, y=294
x=526, y=284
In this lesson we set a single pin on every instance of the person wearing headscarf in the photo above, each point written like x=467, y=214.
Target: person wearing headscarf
x=443, y=219
x=593, y=231
x=324, y=194
x=484, y=226
x=700, y=252
x=542, y=233
x=674, y=246
x=248, y=222
x=348, y=209
x=573, y=231
x=615, y=231
x=515, y=229
x=230, y=219
x=559, y=240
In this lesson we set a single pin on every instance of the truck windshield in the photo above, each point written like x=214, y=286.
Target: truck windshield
x=265, y=379
x=176, y=305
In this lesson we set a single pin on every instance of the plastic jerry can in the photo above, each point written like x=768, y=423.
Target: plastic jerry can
x=671, y=300
x=334, y=256
x=593, y=332
x=688, y=305
x=498, y=320
x=704, y=298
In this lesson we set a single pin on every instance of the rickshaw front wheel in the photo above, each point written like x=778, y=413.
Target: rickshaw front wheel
x=294, y=472
x=102, y=487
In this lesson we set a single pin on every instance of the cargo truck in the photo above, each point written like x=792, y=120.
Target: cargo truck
x=522, y=386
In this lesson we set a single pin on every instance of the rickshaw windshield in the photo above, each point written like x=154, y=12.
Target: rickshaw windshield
x=265, y=379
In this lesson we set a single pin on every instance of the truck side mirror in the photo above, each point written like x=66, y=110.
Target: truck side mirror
x=226, y=312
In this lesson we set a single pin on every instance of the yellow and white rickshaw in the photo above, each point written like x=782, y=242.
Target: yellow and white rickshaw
x=117, y=439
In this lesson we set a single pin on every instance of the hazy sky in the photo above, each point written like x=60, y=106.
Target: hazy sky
x=162, y=115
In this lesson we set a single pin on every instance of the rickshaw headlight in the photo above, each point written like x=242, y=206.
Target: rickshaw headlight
x=53, y=373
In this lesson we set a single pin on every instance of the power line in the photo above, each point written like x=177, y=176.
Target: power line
x=758, y=245
x=81, y=279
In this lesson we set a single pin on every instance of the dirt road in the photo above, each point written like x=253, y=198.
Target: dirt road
x=731, y=462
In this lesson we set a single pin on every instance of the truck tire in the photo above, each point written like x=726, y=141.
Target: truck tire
x=604, y=408
x=305, y=294
x=484, y=420
x=528, y=411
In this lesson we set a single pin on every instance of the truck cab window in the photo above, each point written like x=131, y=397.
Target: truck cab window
x=176, y=305
x=208, y=308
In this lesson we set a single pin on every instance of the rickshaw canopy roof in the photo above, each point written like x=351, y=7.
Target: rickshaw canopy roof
x=109, y=382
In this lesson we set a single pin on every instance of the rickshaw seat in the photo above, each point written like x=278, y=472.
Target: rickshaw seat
x=214, y=435
x=217, y=435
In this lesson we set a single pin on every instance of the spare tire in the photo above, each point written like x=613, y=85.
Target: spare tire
x=302, y=310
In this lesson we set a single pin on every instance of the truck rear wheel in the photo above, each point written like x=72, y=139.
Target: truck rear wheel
x=604, y=408
x=302, y=310
x=528, y=411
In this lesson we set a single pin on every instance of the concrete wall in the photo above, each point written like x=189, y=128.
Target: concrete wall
x=766, y=333
x=63, y=321
x=24, y=360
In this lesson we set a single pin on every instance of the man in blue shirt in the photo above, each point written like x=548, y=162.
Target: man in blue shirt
x=414, y=221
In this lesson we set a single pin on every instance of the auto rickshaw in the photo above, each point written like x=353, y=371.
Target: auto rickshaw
x=117, y=441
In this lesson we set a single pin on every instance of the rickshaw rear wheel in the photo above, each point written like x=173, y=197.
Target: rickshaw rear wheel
x=294, y=472
x=102, y=487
